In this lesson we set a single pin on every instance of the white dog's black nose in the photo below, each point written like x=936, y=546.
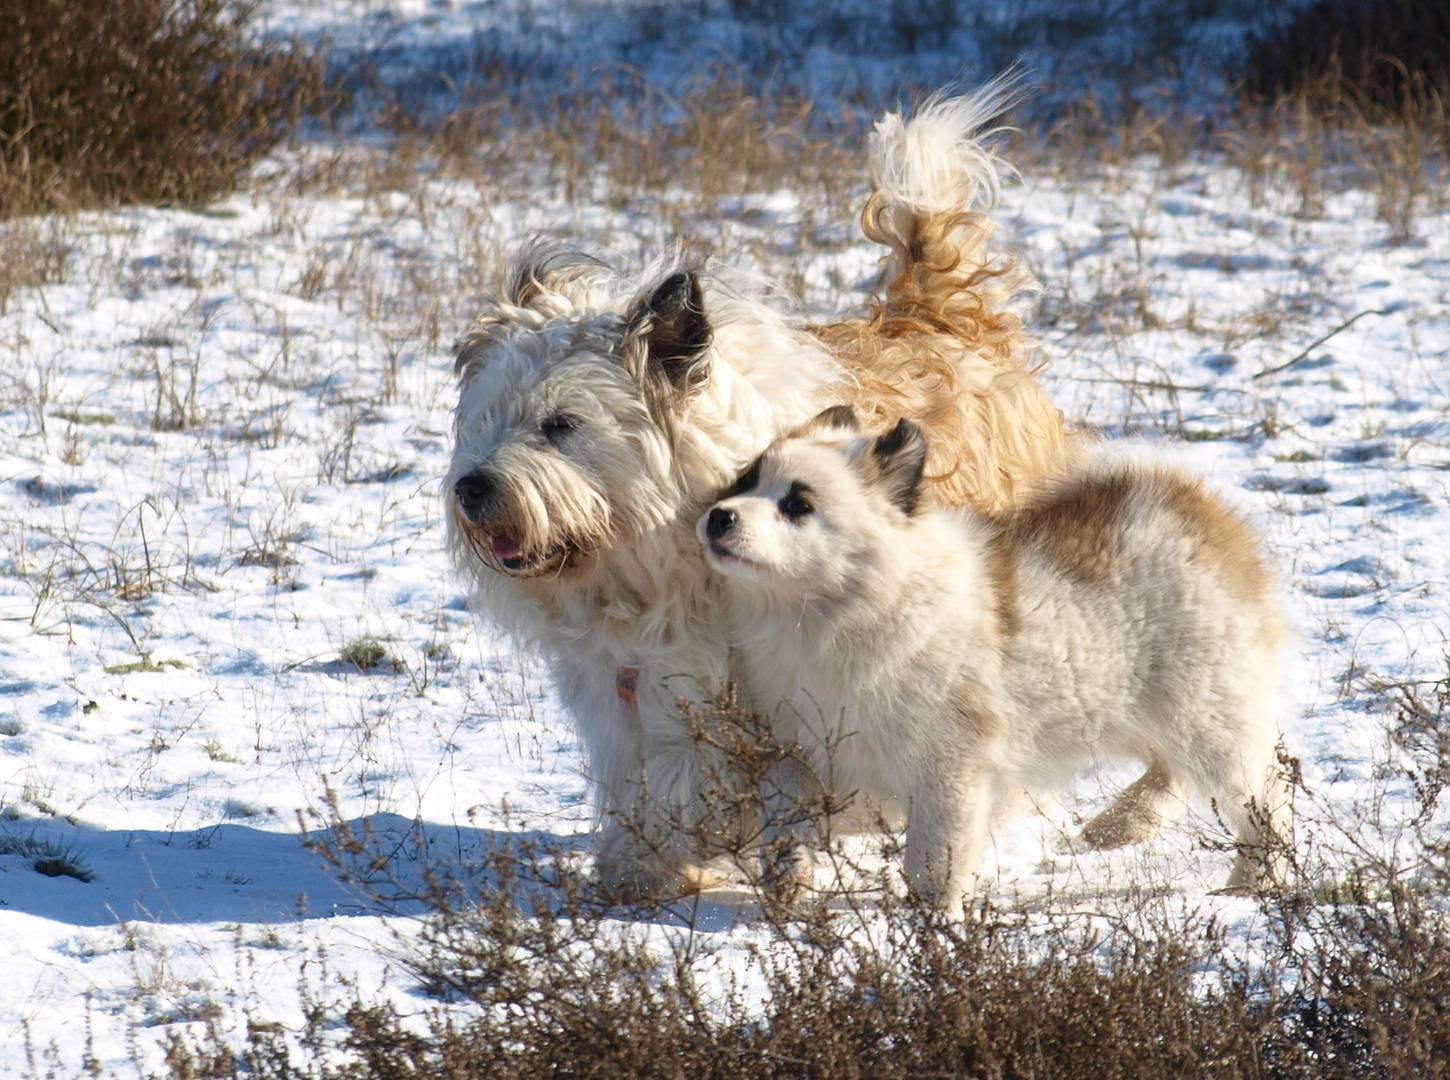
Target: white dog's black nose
x=720, y=522
x=475, y=491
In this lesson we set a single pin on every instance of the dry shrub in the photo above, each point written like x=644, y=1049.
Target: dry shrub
x=536, y=977
x=535, y=980
x=110, y=101
x=1371, y=959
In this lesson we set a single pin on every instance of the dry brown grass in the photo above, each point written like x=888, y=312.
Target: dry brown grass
x=625, y=142
x=682, y=160
x=31, y=254
x=103, y=102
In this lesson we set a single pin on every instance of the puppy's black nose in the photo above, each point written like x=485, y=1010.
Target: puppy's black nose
x=475, y=491
x=720, y=522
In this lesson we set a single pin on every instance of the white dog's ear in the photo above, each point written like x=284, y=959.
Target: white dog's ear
x=543, y=274
x=895, y=463
x=471, y=349
x=543, y=280
x=676, y=334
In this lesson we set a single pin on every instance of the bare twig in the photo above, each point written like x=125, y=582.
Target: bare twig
x=1320, y=341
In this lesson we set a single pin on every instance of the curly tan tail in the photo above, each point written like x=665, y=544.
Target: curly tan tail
x=942, y=345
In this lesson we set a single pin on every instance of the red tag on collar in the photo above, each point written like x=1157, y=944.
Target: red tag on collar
x=626, y=680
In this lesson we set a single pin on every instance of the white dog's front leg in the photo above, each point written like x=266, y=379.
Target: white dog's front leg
x=609, y=728
x=660, y=842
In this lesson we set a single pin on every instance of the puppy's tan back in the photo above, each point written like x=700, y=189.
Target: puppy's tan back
x=1081, y=528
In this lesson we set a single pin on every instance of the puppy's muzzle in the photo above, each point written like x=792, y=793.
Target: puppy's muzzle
x=475, y=493
x=720, y=522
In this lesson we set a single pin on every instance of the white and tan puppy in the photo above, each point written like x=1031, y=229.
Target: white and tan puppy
x=935, y=657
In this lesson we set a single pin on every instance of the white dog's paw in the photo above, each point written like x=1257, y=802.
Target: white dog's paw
x=1254, y=873
x=630, y=871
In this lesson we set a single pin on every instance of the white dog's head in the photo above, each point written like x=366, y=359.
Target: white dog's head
x=819, y=510
x=571, y=391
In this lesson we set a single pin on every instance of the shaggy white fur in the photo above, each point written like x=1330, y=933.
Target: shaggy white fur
x=599, y=412
x=935, y=658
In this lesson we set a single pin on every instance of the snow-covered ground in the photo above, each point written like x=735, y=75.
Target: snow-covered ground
x=223, y=589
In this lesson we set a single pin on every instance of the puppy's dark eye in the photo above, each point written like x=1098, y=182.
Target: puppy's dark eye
x=557, y=426
x=797, y=503
x=796, y=507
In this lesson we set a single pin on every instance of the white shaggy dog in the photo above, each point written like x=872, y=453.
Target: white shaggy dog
x=600, y=413
x=935, y=657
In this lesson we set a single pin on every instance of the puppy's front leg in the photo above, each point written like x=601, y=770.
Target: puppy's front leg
x=792, y=803
x=945, y=837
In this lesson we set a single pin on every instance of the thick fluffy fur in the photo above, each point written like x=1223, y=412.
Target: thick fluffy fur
x=944, y=347
x=600, y=412
x=935, y=658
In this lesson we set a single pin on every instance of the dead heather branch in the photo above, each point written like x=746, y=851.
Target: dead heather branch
x=542, y=977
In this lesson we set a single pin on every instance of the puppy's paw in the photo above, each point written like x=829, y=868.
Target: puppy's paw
x=788, y=873
x=1127, y=821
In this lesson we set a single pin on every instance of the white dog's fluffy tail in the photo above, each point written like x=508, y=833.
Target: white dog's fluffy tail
x=944, y=344
x=937, y=162
x=935, y=176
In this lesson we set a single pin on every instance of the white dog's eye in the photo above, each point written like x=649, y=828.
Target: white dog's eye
x=797, y=503
x=557, y=426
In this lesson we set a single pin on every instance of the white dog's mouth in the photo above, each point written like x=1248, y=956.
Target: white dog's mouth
x=511, y=558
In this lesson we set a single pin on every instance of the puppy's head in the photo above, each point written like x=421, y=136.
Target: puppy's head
x=563, y=436
x=820, y=510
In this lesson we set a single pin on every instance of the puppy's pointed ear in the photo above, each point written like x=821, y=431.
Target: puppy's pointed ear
x=836, y=418
x=895, y=463
x=675, y=331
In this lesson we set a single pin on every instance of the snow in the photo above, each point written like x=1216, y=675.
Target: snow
x=220, y=440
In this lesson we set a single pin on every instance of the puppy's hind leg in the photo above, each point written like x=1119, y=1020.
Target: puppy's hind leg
x=1232, y=756
x=1262, y=815
x=1138, y=812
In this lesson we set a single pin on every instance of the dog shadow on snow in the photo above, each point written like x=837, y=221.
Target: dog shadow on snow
x=237, y=873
